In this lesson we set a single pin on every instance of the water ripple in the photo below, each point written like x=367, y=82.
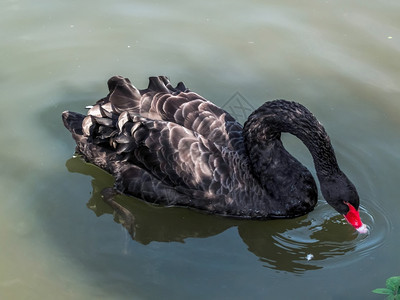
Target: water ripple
x=323, y=239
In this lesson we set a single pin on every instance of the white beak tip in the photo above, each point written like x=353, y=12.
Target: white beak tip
x=362, y=229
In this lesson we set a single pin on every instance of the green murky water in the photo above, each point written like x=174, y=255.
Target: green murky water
x=60, y=240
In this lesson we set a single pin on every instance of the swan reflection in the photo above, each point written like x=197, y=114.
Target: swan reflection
x=282, y=245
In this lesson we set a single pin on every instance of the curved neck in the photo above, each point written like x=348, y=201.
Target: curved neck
x=263, y=129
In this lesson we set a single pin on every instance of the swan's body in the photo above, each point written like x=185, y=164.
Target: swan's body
x=170, y=146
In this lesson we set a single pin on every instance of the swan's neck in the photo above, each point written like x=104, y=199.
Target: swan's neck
x=262, y=138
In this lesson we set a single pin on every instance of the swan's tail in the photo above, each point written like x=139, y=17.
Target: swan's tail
x=73, y=122
x=92, y=153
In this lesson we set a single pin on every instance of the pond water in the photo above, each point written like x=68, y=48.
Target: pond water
x=60, y=240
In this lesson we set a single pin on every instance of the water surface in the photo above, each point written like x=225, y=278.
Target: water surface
x=59, y=239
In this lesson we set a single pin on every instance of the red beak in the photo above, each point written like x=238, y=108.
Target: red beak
x=353, y=217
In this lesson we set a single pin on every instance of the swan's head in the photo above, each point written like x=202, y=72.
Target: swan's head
x=342, y=195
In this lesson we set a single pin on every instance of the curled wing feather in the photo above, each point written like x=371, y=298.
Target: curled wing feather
x=161, y=101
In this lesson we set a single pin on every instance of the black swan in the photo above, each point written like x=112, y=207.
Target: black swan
x=170, y=146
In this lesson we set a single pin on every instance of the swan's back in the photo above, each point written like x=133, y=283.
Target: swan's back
x=162, y=101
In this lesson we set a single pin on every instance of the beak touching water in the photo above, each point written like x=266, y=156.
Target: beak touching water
x=353, y=217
